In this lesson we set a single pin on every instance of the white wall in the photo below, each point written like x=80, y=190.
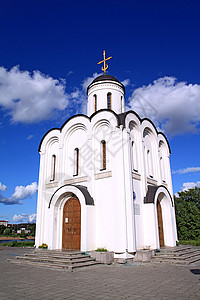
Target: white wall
x=116, y=221
x=101, y=90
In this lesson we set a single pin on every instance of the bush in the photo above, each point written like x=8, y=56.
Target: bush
x=7, y=231
x=101, y=250
x=19, y=244
x=2, y=228
x=190, y=242
x=23, y=234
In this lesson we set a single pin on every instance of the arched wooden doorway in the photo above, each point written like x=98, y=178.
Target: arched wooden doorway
x=160, y=224
x=71, y=238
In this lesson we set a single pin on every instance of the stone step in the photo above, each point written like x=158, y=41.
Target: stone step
x=55, y=266
x=56, y=259
x=184, y=255
x=178, y=255
x=158, y=260
x=58, y=252
x=181, y=253
x=58, y=256
x=178, y=249
x=176, y=261
x=51, y=260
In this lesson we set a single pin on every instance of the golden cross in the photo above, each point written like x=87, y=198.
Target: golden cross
x=105, y=67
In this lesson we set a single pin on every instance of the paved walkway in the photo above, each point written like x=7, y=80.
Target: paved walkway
x=147, y=281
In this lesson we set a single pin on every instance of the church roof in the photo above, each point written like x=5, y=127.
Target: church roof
x=120, y=120
x=106, y=77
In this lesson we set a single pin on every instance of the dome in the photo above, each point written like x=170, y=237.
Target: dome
x=106, y=77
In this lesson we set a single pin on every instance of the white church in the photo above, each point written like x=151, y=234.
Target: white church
x=105, y=179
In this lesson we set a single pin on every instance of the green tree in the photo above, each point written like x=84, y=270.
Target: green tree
x=7, y=231
x=2, y=228
x=187, y=205
x=23, y=234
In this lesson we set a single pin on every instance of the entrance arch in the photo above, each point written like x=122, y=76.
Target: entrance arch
x=160, y=224
x=162, y=215
x=71, y=236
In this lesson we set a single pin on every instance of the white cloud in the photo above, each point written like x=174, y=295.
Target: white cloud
x=78, y=98
x=188, y=185
x=173, y=106
x=21, y=192
x=3, y=187
x=30, y=98
x=187, y=170
x=126, y=82
x=89, y=80
x=29, y=137
x=24, y=218
x=69, y=73
x=32, y=218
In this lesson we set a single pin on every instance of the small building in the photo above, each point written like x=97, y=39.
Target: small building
x=26, y=231
x=105, y=179
x=4, y=223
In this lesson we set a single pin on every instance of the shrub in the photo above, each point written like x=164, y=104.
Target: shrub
x=101, y=250
x=7, y=231
x=190, y=242
x=19, y=244
x=43, y=246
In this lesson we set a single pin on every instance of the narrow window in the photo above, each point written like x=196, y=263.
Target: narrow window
x=95, y=102
x=134, y=157
x=103, y=155
x=76, y=161
x=53, y=167
x=109, y=101
x=162, y=169
x=121, y=104
x=149, y=163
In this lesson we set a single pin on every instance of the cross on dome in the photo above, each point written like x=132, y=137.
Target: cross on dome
x=105, y=66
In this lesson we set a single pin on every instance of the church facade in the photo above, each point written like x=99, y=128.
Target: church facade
x=105, y=179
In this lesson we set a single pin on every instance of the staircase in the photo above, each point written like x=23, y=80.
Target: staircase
x=184, y=255
x=67, y=260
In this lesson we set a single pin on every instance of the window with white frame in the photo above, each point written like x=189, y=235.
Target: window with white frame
x=95, y=102
x=53, y=167
x=76, y=162
x=103, y=155
x=109, y=101
x=149, y=163
x=134, y=157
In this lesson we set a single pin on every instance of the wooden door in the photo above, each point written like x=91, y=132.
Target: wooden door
x=71, y=239
x=160, y=224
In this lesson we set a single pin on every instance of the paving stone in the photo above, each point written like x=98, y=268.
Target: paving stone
x=144, y=281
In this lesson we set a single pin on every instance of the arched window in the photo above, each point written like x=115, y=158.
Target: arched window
x=109, y=101
x=53, y=167
x=103, y=155
x=95, y=102
x=76, y=162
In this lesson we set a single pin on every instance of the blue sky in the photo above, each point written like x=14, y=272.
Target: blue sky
x=49, y=53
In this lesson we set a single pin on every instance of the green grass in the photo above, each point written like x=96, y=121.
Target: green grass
x=19, y=244
x=190, y=242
